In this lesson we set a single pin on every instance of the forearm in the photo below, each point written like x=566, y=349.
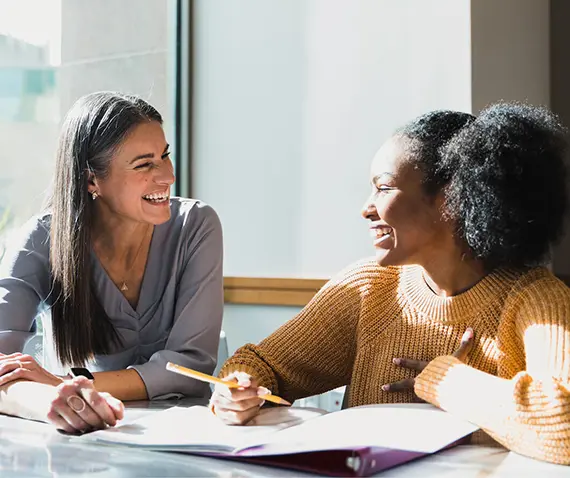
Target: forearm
x=126, y=385
x=26, y=399
x=528, y=416
x=286, y=371
x=247, y=360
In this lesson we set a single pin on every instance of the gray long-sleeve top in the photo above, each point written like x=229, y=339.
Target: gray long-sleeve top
x=178, y=316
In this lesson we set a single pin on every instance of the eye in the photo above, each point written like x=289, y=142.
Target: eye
x=383, y=189
x=143, y=165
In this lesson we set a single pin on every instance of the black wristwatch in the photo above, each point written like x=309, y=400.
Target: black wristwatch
x=81, y=372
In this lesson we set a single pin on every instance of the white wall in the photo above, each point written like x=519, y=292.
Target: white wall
x=292, y=99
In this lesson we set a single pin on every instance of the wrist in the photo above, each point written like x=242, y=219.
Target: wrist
x=58, y=380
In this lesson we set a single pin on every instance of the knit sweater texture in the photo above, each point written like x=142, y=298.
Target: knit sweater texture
x=515, y=384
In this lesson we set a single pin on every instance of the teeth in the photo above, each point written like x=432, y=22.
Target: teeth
x=157, y=197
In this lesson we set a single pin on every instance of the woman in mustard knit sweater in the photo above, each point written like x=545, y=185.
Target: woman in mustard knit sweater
x=455, y=308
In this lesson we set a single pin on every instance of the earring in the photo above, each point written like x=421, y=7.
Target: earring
x=94, y=195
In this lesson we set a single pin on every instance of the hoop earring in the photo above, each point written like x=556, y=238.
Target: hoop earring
x=94, y=195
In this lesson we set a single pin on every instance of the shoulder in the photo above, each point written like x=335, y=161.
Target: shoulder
x=348, y=291
x=26, y=245
x=540, y=294
x=192, y=210
x=193, y=216
x=364, y=277
x=193, y=226
x=539, y=282
x=33, y=234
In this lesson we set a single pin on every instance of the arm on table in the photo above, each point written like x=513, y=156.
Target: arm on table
x=24, y=284
x=530, y=412
x=126, y=385
x=312, y=353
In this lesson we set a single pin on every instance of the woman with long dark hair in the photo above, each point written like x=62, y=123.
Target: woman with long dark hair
x=456, y=307
x=123, y=276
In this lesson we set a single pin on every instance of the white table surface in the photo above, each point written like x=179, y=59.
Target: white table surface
x=30, y=449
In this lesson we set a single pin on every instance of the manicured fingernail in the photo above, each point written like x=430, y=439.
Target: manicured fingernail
x=467, y=335
x=385, y=387
x=397, y=361
x=263, y=391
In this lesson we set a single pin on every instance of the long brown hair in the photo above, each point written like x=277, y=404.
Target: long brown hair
x=93, y=129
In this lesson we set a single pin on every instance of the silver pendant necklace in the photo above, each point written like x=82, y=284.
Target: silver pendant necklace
x=124, y=287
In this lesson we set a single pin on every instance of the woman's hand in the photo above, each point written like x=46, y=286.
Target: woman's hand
x=24, y=367
x=408, y=384
x=237, y=406
x=78, y=407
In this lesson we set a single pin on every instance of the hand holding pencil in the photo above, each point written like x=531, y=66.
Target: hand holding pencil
x=218, y=381
x=236, y=398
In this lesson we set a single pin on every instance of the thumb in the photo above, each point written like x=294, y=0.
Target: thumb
x=466, y=345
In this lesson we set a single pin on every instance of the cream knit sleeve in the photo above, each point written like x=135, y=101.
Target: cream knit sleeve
x=528, y=411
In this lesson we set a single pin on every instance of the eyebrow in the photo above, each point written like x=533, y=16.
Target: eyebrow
x=376, y=178
x=147, y=155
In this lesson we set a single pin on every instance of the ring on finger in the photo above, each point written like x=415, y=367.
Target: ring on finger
x=76, y=403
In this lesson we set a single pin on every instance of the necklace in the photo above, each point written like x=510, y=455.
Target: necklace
x=124, y=287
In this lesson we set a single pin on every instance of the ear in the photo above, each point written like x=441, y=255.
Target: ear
x=439, y=201
x=92, y=185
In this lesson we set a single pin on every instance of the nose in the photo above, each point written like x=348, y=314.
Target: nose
x=369, y=210
x=165, y=173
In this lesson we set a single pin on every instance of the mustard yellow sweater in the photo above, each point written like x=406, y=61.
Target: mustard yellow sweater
x=515, y=384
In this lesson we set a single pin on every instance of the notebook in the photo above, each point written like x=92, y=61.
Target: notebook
x=357, y=441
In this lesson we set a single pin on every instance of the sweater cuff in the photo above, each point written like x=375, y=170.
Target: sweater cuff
x=474, y=395
x=428, y=381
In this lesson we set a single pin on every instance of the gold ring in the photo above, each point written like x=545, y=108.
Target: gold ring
x=20, y=364
x=79, y=403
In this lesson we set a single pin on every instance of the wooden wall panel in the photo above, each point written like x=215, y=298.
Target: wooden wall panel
x=274, y=291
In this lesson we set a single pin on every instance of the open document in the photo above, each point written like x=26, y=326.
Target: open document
x=358, y=441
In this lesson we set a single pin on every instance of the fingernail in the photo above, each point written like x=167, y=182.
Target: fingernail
x=397, y=361
x=385, y=387
x=467, y=335
x=263, y=391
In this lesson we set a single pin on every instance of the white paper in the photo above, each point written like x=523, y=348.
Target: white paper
x=413, y=427
x=196, y=428
x=421, y=428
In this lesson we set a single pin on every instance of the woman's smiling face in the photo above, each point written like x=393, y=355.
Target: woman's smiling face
x=137, y=186
x=405, y=223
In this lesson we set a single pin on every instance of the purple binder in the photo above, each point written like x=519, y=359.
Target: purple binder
x=358, y=461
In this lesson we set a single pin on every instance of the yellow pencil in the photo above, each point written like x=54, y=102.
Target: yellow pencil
x=210, y=379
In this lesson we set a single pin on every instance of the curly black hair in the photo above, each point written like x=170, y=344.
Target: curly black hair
x=504, y=178
x=429, y=133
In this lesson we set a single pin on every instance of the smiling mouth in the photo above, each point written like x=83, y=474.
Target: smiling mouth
x=380, y=234
x=157, y=197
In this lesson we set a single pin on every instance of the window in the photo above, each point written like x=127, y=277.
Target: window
x=54, y=51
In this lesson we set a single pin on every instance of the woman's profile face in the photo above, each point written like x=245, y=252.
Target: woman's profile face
x=137, y=186
x=405, y=224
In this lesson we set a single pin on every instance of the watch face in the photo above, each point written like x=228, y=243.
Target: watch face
x=82, y=372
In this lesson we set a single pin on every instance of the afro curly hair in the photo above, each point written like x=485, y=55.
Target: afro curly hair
x=508, y=192
x=503, y=175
